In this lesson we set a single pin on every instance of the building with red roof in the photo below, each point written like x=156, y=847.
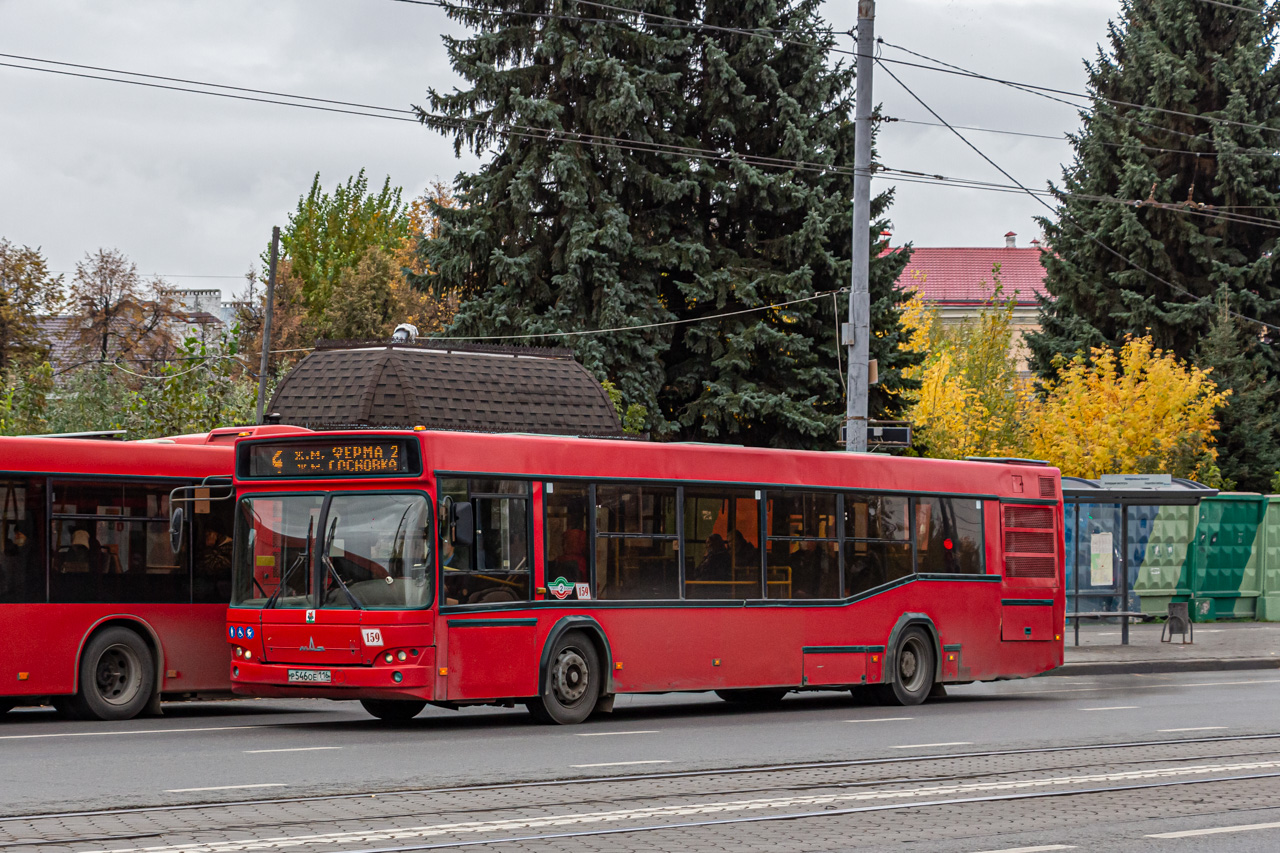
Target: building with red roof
x=960, y=281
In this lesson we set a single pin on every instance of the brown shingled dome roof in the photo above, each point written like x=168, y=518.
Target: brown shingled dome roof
x=461, y=387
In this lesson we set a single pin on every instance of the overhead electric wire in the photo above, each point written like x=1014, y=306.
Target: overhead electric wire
x=520, y=131
x=1066, y=216
x=1233, y=6
x=1044, y=91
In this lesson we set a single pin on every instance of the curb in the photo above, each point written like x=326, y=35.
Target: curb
x=1154, y=666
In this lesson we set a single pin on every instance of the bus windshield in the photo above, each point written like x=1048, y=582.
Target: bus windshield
x=368, y=551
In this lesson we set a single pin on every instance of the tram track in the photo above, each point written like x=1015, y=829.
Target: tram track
x=655, y=802
x=645, y=777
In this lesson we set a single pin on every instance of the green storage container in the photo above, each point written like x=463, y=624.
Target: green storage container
x=1226, y=578
x=1269, y=601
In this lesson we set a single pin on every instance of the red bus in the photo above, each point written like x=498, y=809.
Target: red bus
x=98, y=613
x=406, y=568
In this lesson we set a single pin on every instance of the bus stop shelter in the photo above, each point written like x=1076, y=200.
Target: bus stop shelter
x=1129, y=544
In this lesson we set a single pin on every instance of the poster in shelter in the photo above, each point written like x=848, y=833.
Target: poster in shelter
x=1101, y=560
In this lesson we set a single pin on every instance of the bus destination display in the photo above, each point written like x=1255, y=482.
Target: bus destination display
x=330, y=459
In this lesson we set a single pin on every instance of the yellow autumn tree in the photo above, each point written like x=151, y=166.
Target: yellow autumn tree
x=971, y=400
x=1141, y=411
x=421, y=305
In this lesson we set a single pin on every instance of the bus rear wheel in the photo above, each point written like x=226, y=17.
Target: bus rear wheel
x=913, y=663
x=572, y=685
x=394, y=710
x=117, y=675
x=757, y=696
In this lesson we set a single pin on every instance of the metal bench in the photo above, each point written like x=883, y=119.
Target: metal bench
x=1104, y=614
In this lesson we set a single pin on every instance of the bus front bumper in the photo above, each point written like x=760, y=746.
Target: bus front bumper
x=350, y=682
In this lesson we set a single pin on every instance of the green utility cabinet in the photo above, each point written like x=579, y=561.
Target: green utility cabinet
x=1269, y=601
x=1227, y=557
x=1160, y=543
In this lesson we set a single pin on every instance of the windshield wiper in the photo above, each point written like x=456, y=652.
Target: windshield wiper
x=333, y=572
x=304, y=557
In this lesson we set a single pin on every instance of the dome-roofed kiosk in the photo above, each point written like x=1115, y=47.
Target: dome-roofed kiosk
x=442, y=385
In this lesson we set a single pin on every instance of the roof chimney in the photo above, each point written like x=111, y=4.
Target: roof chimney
x=1011, y=240
x=1035, y=243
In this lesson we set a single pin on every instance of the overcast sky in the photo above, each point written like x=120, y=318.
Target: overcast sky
x=189, y=185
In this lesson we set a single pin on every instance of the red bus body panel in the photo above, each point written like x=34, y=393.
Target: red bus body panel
x=988, y=627
x=43, y=641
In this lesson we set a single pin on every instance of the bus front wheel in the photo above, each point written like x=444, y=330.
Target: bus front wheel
x=117, y=675
x=393, y=710
x=572, y=685
x=913, y=664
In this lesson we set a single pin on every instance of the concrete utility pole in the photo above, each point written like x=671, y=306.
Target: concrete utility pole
x=857, y=332
x=266, y=322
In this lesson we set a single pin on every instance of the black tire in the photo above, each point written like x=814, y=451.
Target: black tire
x=573, y=682
x=760, y=697
x=117, y=676
x=394, y=710
x=914, y=661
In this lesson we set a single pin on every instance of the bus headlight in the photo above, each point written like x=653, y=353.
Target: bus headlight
x=401, y=655
x=388, y=657
x=397, y=677
x=248, y=655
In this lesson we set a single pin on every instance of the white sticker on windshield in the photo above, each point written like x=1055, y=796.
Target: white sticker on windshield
x=372, y=637
x=583, y=590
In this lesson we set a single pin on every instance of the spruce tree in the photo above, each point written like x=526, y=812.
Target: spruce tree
x=1248, y=437
x=565, y=231
x=773, y=236
x=1202, y=182
x=561, y=235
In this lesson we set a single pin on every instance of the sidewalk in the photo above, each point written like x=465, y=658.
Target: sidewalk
x=1217, y=646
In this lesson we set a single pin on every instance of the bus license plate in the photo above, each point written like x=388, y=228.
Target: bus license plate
x=310, y=676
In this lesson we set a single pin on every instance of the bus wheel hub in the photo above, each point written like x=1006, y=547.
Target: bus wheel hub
x=569, y=678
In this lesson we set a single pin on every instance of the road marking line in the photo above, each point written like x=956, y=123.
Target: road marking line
x=1161, y=686
x=1112, y=708
x=226, y=788
x=1040, y=849
x=880, y=720
x=290, y=749
x=928, y=745
x=621, y=763
x=1195, y=729
x=607, y=734
x=1189, y=833
x=842, y=798
x=133, y=732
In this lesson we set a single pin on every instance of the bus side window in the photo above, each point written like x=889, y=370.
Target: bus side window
x=877, y=545
x=636, y=537
x=22, y=550
x=722, y=542
x=948, y=536
x=802, y=551
x=565, y=540
x=111, y=543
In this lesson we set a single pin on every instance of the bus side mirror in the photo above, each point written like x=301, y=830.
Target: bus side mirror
x=463, y=523
x=177, y=528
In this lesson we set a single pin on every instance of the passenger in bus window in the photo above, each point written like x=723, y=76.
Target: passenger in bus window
x=716, y=561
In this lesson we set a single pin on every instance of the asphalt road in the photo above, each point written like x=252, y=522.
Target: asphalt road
x=1195, y=764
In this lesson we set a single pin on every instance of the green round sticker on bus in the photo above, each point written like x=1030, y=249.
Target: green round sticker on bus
x=560, y=588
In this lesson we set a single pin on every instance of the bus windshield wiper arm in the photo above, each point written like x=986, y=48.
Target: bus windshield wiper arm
x=305, y=558
x=333, y=572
